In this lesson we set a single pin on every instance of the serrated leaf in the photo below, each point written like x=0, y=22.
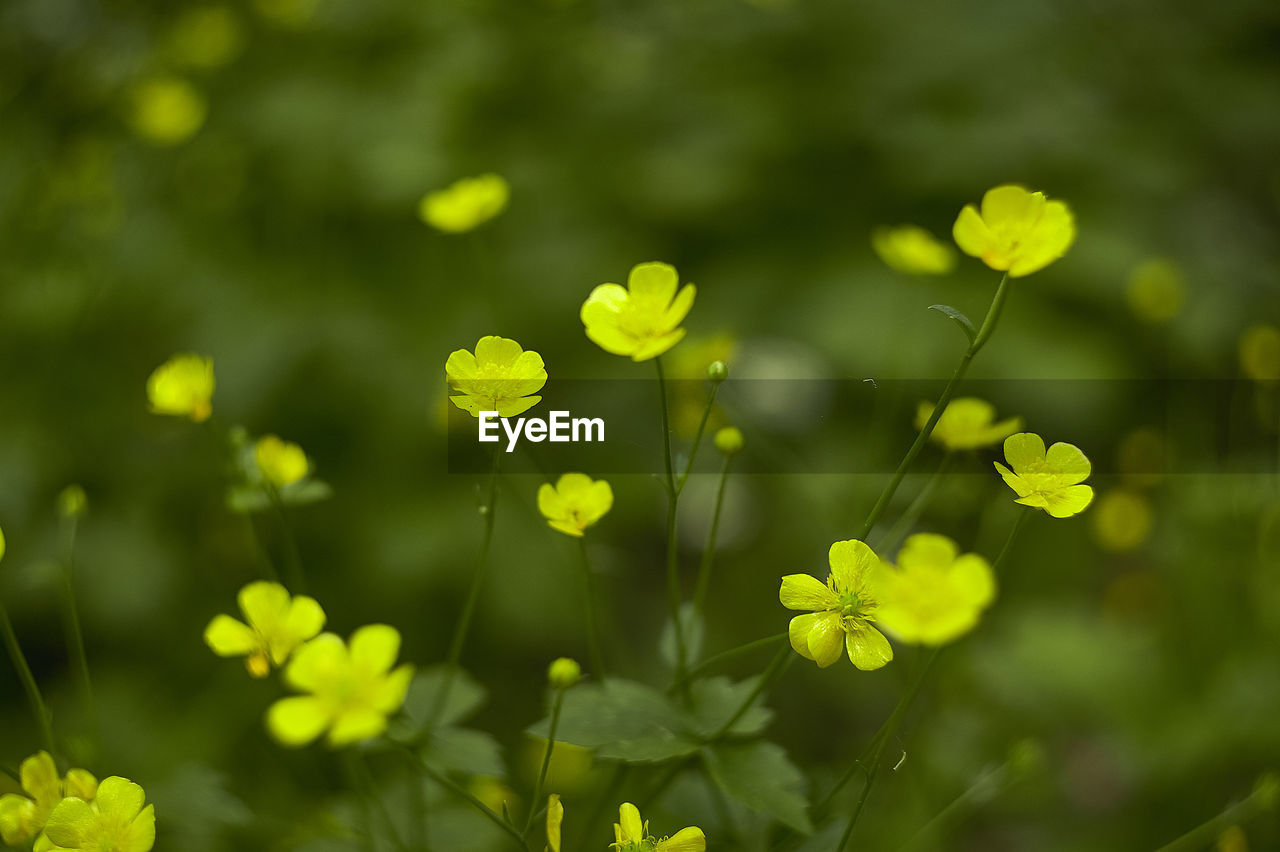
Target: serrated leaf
x=694, y=632
x=960, y=319
x=465, y=697
x=716, y=699
x=760, y=775
x=464, y=750
x=624, y=720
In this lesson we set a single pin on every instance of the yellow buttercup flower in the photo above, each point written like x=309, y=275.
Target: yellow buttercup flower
x=281, y=462
x=555, y=818
x=574, y=503
x=841, y=610
x=967, y=424
x=22, y=818
x=499, y=377
x=1018, y=231
x=115, y=821
x=936, y=594
x=352, y=688
x=1046, y=480
x=631, y=834
x=167, y=110
x=1122, y=520
x=277, y=625
x=913, y=250
x=183, y=386
x=564, y=672
x=1260, y=353
x=466, y=204
x=642, y=320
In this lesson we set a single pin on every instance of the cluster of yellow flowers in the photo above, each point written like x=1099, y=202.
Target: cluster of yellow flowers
x=630, y=832
x=75, y=811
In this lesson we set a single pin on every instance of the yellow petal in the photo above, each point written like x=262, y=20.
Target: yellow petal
x=851, y=562
x=461, y=365
x=389, y=695
x=685, y=840
x=798, y=632
x=868, y=649
x=612, y=339
x=17, y=814
x=374, y=648
x=1047, y=241
x=973, y=580
x=630, y=823
x=227, y=637
x=653, y=283
x=264, y=604
x=494, y=351
x=39, y=776
x=1068, y=501
x=680, y=307
x=356, y=725
x=1012, y=207
x=299, y=720
x=566, y=527
x=826, y=635
x=141, y=834
x=551, y=503
x=555, y=818
x=652, y=347
x=1069, y=463
x=72, y=823
x=81, y=784
x=306, y=619
x=318, y=663
x=1024, y=451
x=119, y=799
x=927, y=550
x=1021, y=488
x=804, y=591
x=972, y=234
x=516, y=407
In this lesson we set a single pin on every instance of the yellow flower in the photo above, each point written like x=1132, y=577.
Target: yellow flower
x=574, y=503
x=1046, y=480
x=936, y=595
x=643, y=320
x=183, y=387
x=1260, y=353
x=555, y=818
x=465, y=204
x=23, y=818
x=841, y=610
x=72, y=501
x=277, y=625
x=1156, y=291
x=729, y=441
x=115, y=821
x=352, y=688
x=1122, y=521
x=498, y=377
x=631, y=834
x=167, y=110
x=564, y=672
x=913, y=250
x=1018, y=231
x=281, y=462
x=967, y=424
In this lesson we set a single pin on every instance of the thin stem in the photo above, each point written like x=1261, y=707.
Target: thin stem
x=776, y=667
x=673, y=558
x=292, y=561
x=453, y=787
x=1260, y=801
x=715, y=660
x=916, y=508
x=697, y=437
x=546, y=760
x=996, y=777
x=38, y=708
x=593, y=626
x=666, y=427
x=75, y=633
x=708, y=554
x=1013, y=536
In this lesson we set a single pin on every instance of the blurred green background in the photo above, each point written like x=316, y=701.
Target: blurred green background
x=242, y=179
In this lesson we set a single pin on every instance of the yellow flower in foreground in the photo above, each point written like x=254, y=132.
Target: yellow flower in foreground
x=913, y=250
x=115, y=821
x=281, y=462
x=1018, y=231
x=555, y=818
x=183, y=387
x=167, y=110
x=967, y=424
x=465, y=204
x=574, y=503
x=277, y=625
x=352, y=688
x=631, y=834
x=499, y=377
x=936, y=594
x=1046, y=480
x=842, y=609
x=643, y=319
x=23, y=818
x=1260, y=353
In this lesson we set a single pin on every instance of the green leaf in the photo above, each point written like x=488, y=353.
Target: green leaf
x=624, y=720
x=760, y=775
x=465, y=750
x=960, y=319
x=465, y=697
x=304, y=492
x=716, y=699
x=246, y=498
x=694, y=632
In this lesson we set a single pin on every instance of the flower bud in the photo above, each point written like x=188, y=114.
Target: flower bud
x=72, y=502
x=729, y=440
x=717, y=371
x=564, y=673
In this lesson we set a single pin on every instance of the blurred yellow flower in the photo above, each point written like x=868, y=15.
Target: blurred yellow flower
x=967, y=424
x=841, y=610
x=499, y=377
x=1122, y=520
x=574, y=503
x=564, y=672
x=729, y=440
x=352, y=688
x=1233, y=839
x=167, y=110
x=1018, y=231
x=115, y=821
x=22, y=818
x=555, y=818
x=936, y=595
x=465, y=204
x=1260, y=353
x=913, y=250
x=1156, y=291
x=642, y=320
x=206, y=36
x=183, y=386
x=631, y=834
x=281, y=462
x=72, y=501
x=495, y=795
x=1046, y=480
x=277, y=625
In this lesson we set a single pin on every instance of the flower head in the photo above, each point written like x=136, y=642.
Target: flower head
x=183, y=387
x=22, y=818
x=729, y=440
x=1046, y=480
x=643, y=319
x=167, y=110
x=277, y=625
x=564, y=672
x=281, y=462
x=967, y=424
x=351, y=688
x=574, y=503
x=1156, y=291
x=913, y=250
x=115, y=821
x=465, y=204
x=631, y=834
x=1018, y=231
x=841, y=610
x=936, y=594
x=499, y=377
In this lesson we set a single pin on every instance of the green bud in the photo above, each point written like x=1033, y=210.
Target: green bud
x=717, y=371
x=72, y=502
x=729, y=440
x=564, y=673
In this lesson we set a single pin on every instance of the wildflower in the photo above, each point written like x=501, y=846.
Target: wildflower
x=1260, y=353
x=115, y=821
x=22, y=818
x=1046, y=480
x=281, y=462
x=643, y=320
x=498, y=377
x=167, y=110
x=1018, y=231
x=352, y=688
x=72, y=501
x=574, y=503
x=555, y=818
x=729, y=440
x=967, y=424
x=277, y=625
x=183, y=387
x=913, y=250
x=631, y=834
x=1156, y=291
x=564, y=673
x=936, y=595
x=842, y=609
x=465, y=204
x=1122, y=521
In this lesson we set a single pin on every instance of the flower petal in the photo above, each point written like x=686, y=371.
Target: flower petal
x=851, y=563
x=1021, y=488
x=299, y=720
x=551, y=503
x=680, y=307
x=1024, y=451
x=228, y=637
x=1013, y=207
x=630, y=823
x=685, y=840
x=1048, y=240
x=72, y=823
x=798, y=632
x=39, y=776
x=141, y=834
x=317, y=663
x=974, y=581
x=555, y=819
x=653, y=284
x=460, y=365
x=264, y=604
x=868, y=649
x=374, y=648
x=826, y=635
x=119, y=798
x=494, y=351
x=928, y=551
x=1069, y=501
x=306, y=619
x=804, y=591
x=1069, y=463
x=356, y=725
x=389, y=696
x=652, y=347
x=970, y=233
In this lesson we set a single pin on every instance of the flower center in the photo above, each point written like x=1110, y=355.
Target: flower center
x=851, y=604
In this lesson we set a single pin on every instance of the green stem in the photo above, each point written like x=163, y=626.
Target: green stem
x=973, y=794
x=708, y=554
x=75, y=633
x=546, y=761
x=1026, y=512
x=980, y=340
x=697, y=437
x=715, y=660
x=593, y=625
x=1200, y=837
x=673, y=563
x=916, y=509
x=666, y=427
x=38, y=708
x=775, y=669
x=453, y=787
x=292, y=561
